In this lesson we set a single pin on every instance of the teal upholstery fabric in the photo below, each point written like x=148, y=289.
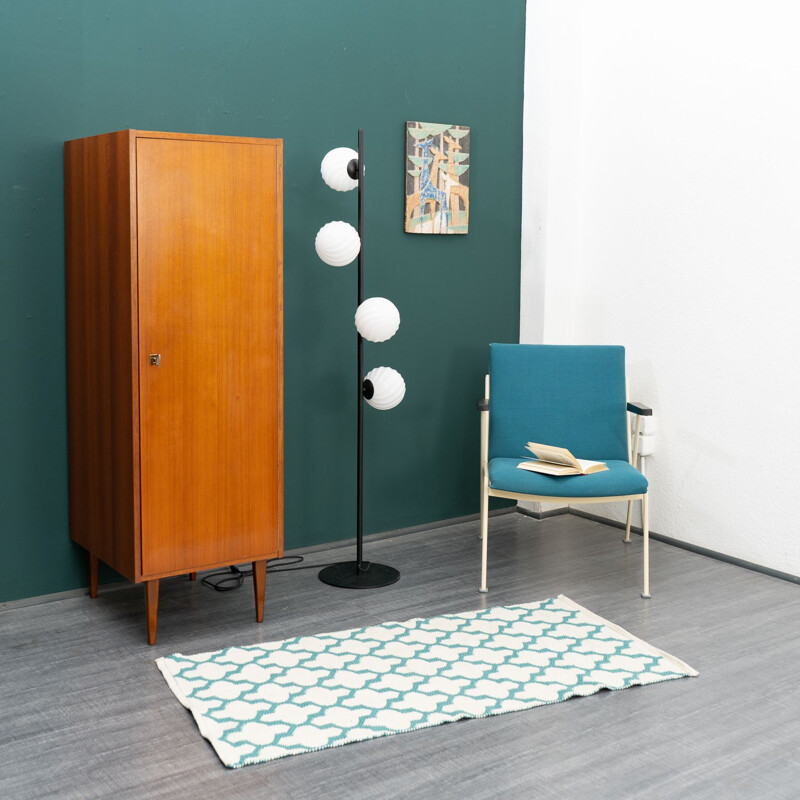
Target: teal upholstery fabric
x=570, y=396
x=620, y=479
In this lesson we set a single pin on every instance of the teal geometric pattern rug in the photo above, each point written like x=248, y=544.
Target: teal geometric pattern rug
x=271, y=700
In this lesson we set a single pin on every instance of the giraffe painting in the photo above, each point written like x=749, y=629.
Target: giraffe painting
x=429, y=194
x=437, y=178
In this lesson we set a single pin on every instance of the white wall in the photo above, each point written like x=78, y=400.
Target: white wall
x=661, y=211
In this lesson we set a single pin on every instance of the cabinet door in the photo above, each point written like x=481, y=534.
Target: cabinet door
x=208, y=250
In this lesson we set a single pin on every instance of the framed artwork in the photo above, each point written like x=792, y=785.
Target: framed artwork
x=437, y=178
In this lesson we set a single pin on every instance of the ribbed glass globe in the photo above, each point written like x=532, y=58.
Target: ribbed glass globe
x=334, y=169
x=389, y=388
x=337, y=243
x=377, y=319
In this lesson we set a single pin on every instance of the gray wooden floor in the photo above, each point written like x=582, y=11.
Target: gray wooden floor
x=86, y=714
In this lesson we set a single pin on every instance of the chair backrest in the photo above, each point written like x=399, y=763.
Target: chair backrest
x=569, y=396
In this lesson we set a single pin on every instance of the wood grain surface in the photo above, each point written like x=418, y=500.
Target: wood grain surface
x=174, y=254
x=102, y=368
x=208, y=293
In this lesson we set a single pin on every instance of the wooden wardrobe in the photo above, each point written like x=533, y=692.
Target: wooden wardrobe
x=174, y=354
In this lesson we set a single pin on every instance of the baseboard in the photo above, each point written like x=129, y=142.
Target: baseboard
x=553, y=512
x=82, y=591
x=298, y=551
x=693, y=548
x=376, y=537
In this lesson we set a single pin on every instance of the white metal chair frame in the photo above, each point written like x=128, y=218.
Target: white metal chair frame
x=486, y=491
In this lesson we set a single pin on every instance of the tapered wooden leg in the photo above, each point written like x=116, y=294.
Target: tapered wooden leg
x=259, y=585
x=192, y=576
x=93, y=566
x=151, y=595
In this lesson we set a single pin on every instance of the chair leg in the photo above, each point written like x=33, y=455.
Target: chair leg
x=627, y=538
x=484, y=535
x=646, y=553
x=484, y=506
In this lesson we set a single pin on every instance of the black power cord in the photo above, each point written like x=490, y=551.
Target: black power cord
x=233, y=577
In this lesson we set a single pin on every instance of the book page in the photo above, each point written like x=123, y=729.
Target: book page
x=547, y=468
x=586, y=463
x=555, y=455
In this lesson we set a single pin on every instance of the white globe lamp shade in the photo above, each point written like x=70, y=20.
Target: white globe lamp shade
x=337, y=243
x=377, y=319
x=388, y=388
x=334, y=169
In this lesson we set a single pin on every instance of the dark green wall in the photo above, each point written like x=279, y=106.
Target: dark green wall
x=311, y=72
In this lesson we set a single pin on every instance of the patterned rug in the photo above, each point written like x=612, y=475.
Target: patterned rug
x=266, y=701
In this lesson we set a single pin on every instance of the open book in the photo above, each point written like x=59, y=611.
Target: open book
x=558, y=461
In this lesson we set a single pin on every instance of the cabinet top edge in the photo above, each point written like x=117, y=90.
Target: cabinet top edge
x=134, y=133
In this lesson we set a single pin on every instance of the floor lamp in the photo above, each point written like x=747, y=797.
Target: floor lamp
x=377, y=319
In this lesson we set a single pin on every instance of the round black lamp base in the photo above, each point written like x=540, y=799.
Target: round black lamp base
x=347, y=575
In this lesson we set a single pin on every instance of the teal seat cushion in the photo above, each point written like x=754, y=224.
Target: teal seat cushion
x=619, y=479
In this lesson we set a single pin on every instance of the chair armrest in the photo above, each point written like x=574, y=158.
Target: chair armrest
x=483, y=405
x=641, y=409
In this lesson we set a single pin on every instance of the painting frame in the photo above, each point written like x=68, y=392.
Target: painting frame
x=437, y=178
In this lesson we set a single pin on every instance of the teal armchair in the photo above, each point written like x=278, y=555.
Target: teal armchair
x=564, y=395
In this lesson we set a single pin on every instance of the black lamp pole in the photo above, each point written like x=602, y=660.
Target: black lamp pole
x=360, y=574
